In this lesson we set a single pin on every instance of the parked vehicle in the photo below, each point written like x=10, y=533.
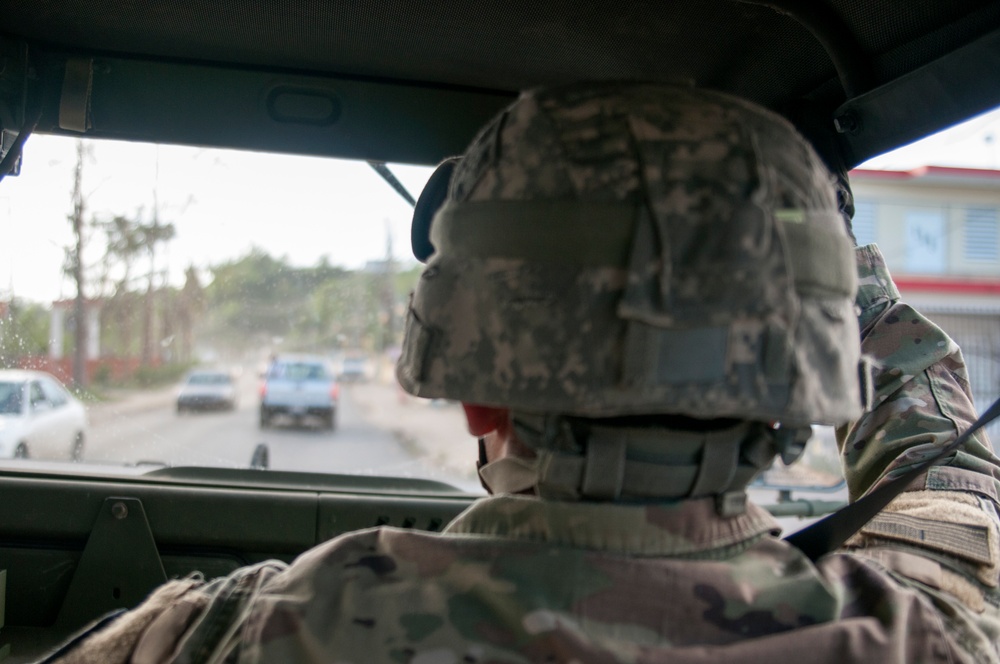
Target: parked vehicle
x=206, y=389
x=300, y=389
x=39, y=417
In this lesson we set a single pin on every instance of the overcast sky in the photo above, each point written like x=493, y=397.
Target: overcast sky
x=224, y=202
x=221, y=203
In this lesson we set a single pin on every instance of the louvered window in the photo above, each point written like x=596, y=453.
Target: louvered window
x=864, y=222
x=982, y=237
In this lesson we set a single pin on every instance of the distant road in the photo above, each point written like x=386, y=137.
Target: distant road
x=152, y=432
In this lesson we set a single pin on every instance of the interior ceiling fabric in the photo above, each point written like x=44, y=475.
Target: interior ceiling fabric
x=509, y=45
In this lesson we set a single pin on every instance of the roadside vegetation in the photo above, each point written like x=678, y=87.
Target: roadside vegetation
x=150, y=328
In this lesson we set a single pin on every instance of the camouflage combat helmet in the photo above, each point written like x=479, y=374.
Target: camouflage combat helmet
x=610, y=250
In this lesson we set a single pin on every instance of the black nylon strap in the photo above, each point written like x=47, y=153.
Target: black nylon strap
x=831, y=532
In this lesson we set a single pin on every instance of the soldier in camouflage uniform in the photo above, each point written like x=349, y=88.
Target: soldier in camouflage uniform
x=642, y=294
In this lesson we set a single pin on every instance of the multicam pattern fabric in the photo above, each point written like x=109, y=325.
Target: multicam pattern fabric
x=639, y=249
x=922, y=395
x=517, y=579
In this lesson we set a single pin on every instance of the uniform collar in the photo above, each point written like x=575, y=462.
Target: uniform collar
x=678, y=528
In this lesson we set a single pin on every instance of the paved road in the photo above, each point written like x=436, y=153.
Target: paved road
x=364, y=442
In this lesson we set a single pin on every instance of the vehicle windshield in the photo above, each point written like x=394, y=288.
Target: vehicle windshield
x=130, y=265
x=254, y=266
x=10, y=398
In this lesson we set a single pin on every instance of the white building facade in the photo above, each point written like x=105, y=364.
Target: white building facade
x=939, y=230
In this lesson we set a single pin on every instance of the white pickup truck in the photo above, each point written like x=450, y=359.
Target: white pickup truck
x=299, y=388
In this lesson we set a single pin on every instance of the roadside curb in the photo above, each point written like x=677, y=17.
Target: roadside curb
x=130, y=402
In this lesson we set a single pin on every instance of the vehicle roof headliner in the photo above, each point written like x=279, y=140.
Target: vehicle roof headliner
x=464, y=60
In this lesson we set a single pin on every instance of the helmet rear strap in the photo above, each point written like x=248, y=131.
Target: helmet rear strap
x=577, y=460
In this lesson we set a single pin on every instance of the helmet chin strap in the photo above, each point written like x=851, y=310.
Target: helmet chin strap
x=579, y=459
x=509, y=474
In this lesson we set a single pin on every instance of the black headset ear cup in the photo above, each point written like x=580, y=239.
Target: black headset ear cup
x=430, y=201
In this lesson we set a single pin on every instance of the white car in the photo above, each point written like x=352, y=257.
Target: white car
x=39, y=418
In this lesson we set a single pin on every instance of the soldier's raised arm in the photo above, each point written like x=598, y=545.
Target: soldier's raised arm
x=941, y=535
x=921, y=399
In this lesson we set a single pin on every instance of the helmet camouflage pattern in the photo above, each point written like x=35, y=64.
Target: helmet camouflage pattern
x=640, y=249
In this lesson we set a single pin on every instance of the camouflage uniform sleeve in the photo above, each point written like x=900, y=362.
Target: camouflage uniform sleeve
x=922, y=398
x=941, y=536
x=112, y=640
x=185, y=620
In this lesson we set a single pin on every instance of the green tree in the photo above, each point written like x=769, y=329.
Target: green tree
x=255, y=299
x=128, y=240
x=123, y=248
x=24, y=332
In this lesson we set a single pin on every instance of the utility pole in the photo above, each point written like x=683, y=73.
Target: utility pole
x=79, y=314
x=151, y=240
x=152, y=235
x=388, y=294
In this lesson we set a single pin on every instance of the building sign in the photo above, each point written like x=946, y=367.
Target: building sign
x=926, y=243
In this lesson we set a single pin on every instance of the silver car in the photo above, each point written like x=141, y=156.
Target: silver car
x=206, y=389
x=39, y=417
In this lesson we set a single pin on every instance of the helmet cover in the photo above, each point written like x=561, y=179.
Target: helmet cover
x=639, y=249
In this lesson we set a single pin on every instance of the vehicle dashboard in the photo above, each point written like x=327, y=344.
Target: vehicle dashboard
x=112, y=540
